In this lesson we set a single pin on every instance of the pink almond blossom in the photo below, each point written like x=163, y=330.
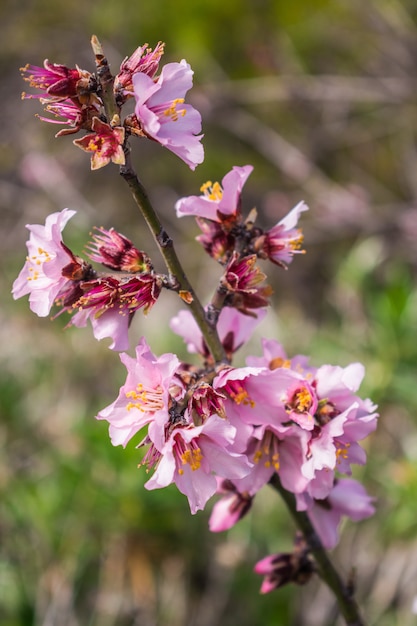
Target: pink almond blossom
x=234, y=329
x=284, y=240
x=347, y=497
x=41, y=276
x=217, y=200
x=232, y=506
x=105, y=144
x=162, y=114
x=144, y=398
x=144, y=60
x=287, y=567
x=191, y=457
x=114, y=250
x=54, y=80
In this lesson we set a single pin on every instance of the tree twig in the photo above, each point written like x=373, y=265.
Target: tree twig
x=326, y=570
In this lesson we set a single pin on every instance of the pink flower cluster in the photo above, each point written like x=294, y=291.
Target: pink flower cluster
x=52, y=274
x=74, y=99
x=230, y=430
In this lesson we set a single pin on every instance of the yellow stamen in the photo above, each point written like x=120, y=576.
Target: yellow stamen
x=192, y=458
x=37, y=259
x=303, y=400
x=144, y=399
x=296, y=244
x=342, y=452
x=172, y=111
x=279, y=362
x=212, y=191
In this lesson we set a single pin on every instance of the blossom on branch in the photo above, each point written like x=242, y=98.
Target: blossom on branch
x=193, y=455
x=53, y=275
x=105, y=144
x=347, y=497
x=283, y=240
x=288, y=567
x=162, y=115
x=41, y=276
x=218, y=202
x=241, y=280
x=234, y=329
x=55, y=81
x=144, y=60
x=114, y=250
x=72, y=114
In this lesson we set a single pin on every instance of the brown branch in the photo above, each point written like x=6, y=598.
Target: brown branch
x=326, y=570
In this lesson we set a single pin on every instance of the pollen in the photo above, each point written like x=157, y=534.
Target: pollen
x=268, y=450
x=303, y=400
x=192, y=458
x=172, y=110
x=279, y=362
x=342, y=452
x=95, y=144
x=212, y=191
x=38, y=259
x=296, y=243
x=242, y=397
x=145, y=400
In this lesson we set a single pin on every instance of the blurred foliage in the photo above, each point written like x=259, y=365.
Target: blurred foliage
x=320, y=96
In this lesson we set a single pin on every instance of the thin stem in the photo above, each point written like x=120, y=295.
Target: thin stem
x=106, y=80
x=172, y=262
x=326, y=570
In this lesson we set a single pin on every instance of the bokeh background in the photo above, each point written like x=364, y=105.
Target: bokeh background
x=320, y=96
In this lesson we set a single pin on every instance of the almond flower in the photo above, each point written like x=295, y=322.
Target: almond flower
x=144, y=60
x=105, y=144
x=217, y=201
x=288, y=567
x=307, y=424
x=54, y=80
x=347, y=497
x=284, y=240
x=162, y=114
x=70, y=113
x=193, y=455
x=145, y=398
x=114, y=250
x=53, y=275
x=241, y=279
x=110, y=302
x=41, y=276
x=233, y=327
x=232, y=506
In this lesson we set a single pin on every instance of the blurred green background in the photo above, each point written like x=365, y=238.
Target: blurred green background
x=320, y=96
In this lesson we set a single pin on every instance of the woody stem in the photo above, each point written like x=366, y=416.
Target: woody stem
x=326, y=570
x=175, y=269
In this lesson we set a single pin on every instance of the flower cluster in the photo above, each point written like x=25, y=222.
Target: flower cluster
x=53, y=275
x=237, y=242
x=74, y=98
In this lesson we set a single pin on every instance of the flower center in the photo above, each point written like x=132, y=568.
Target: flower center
x=212, y=191
x=267, y=450
x=238, y=394
x=187, y=453
x=342, y=451
x=296, y=243
x=277, y=362
x=145, y=399
x=172, y=110
x=37, y=259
